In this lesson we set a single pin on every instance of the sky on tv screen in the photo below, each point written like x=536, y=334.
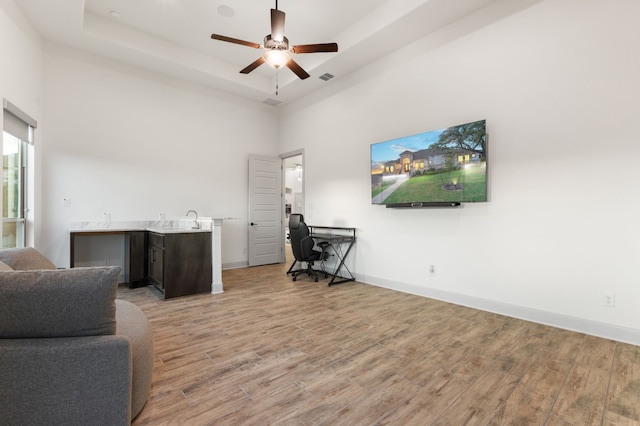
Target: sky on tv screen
x=389, y=150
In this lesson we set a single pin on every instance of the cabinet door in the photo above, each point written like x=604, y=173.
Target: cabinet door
x=156, y=260
x=137, y=257
x=188, y=264
x=156, y=269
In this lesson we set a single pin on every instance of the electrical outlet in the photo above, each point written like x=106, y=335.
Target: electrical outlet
x=432, y=269
x=608, y=299
x=66, y=202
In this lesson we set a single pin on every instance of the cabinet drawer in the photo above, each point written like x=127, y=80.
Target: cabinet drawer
x=156, y=239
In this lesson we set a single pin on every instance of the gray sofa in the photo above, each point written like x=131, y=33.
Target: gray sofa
x=70, y=352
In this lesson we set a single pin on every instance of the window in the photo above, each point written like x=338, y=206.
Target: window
x=13, y=165
x=464, y=159
x=17, y=139
x=406, y=165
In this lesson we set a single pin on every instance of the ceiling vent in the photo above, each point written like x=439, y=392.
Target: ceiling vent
x=272, y=102
x=326, y=76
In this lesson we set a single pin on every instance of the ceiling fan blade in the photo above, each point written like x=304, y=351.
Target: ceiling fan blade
x=235, y=40
x=277, y=25
x=253, y=65
x=313, y=48
x=297, y=69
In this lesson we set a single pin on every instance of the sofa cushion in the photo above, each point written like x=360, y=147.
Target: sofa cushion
x=5, y=267
x=25, y=259
x=58, y=303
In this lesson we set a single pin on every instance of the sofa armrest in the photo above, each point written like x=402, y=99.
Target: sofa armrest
x=70, y=381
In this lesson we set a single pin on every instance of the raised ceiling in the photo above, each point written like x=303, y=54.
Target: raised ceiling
x=173, y=36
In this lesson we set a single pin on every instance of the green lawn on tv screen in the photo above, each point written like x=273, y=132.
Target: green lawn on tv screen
x=430, y=187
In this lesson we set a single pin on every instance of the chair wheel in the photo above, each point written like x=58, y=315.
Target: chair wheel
x=295, y=278
x=315, y=279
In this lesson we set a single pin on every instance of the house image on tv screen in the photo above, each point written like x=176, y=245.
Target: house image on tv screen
x=446, y=165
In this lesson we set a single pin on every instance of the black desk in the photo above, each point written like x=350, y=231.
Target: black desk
x=338, y=238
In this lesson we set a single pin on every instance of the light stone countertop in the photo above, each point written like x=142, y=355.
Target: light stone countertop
x=159, y=226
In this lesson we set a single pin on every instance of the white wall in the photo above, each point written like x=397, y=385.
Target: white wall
x=556, y=82
x=558, y=85
x=21, y=72
x=135, y=144
x=21, y=84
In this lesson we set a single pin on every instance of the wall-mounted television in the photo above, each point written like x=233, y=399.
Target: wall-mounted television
x=444, y=167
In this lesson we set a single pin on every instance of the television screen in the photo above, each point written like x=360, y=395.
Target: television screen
x=446, y=166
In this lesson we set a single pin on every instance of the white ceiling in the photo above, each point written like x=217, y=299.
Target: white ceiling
x=173, y=36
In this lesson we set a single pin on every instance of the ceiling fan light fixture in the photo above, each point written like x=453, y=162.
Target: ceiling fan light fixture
x=276, y=49
x=276, y=57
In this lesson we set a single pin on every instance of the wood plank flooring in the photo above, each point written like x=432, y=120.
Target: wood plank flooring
x=273, y=351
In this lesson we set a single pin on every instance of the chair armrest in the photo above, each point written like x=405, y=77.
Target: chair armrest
x=67, y=380
x=324, y=245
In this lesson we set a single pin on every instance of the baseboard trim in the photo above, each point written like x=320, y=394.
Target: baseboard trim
x=567, y=322
x=235, y=265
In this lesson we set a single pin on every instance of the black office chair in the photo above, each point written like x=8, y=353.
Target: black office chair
x=302, y=247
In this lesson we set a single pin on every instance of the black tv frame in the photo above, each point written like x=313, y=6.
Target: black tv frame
x=419, y=205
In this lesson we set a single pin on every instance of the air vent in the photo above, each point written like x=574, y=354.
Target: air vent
x=326, y=76
x=272, y=102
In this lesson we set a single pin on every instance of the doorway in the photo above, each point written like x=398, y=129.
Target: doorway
x=293, y=178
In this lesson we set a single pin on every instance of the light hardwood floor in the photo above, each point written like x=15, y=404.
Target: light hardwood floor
x=273, y=351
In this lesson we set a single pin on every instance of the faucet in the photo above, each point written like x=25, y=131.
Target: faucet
x=196, y=225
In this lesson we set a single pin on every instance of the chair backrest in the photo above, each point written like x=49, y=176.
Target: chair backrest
x=301, y=243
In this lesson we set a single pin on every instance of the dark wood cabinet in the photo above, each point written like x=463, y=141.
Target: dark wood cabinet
x=156, y=260
x=176, y=263
x=180, y=263
x=137, y=258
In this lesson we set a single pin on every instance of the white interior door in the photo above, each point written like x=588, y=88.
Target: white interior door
x=265, y=211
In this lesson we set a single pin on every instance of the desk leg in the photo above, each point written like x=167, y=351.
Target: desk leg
x=291, y=267
x=340, y=265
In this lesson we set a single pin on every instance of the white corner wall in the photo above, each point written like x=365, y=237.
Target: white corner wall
x=558, y=85
x=136, y=145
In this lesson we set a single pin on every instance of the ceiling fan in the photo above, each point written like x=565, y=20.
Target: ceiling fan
x=277, y=51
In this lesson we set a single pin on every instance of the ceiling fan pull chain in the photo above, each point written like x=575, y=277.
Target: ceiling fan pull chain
x=276, y=82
